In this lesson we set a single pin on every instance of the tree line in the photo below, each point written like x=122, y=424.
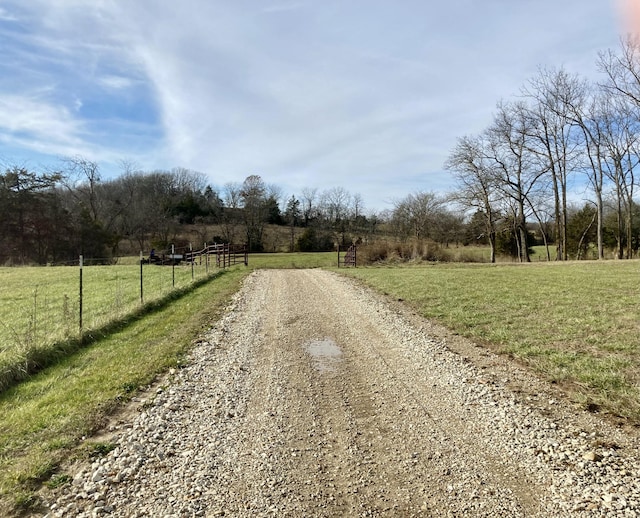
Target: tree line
x=52, y=217
x=562, y=130
x=513, y=188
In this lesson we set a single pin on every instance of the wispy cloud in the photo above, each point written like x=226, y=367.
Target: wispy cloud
x=38, y=125
x=366, y=95
x=116, y=82
x=6, y=16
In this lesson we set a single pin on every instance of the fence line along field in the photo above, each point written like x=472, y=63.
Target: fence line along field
x=40, y=306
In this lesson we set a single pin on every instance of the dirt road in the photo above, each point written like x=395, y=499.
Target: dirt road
x=314, y=397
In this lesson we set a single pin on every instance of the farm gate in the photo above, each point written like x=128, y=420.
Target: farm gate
x=225, y=254
x=349, y=258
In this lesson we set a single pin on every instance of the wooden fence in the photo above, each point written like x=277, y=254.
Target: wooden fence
x=225, y=254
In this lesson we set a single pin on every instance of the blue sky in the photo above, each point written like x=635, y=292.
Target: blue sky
x=367, y=95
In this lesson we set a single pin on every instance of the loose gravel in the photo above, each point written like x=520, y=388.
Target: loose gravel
x=313, y=396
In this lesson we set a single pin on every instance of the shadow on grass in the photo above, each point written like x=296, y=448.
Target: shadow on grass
x=36, y=359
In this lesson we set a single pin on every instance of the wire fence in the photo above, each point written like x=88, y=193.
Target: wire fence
x=42, y=306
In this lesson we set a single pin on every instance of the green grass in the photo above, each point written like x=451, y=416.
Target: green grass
x=43, y=301
x=576, y=323
x=39, y=309
x=295, y=260
x=43, y=418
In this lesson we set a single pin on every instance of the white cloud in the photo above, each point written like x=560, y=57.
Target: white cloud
x=6, y=16
x=38, y=125
x=113, y=82
x=368, y=95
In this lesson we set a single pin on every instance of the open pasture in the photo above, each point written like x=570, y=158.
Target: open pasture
x=40, y=306
x=575, y=323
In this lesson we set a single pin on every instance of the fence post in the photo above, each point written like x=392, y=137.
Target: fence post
x=173, y=266
x=192, y=261
x=141, y=284
x=80, y=299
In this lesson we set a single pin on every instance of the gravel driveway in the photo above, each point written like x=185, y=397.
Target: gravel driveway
x=313, y=396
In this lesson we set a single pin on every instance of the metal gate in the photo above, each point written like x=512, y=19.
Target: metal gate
x=349, y=257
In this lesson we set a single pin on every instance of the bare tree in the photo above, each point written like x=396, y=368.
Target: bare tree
x=309, y=198
x=416, y=214
x=620, y=136
x=358, y=205
x=275, y=192
x=335, y=204
x=335, y=207
x=622, y=83
x=82, y=179
x=554, y=94
x=517, y=172
x=589, y=118
x=475, y=182
x=231, y=195
x=623, y=69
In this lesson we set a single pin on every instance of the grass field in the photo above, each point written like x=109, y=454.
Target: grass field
x=40, y=306
x=576, y=323
x=50, y=294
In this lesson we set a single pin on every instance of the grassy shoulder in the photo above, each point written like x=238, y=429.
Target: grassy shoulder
x=574, y=323
x=43, y=418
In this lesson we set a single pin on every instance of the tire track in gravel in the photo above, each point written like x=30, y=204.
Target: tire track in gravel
x=358, y=436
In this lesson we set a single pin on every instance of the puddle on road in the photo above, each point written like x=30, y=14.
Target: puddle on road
x=325, y=353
